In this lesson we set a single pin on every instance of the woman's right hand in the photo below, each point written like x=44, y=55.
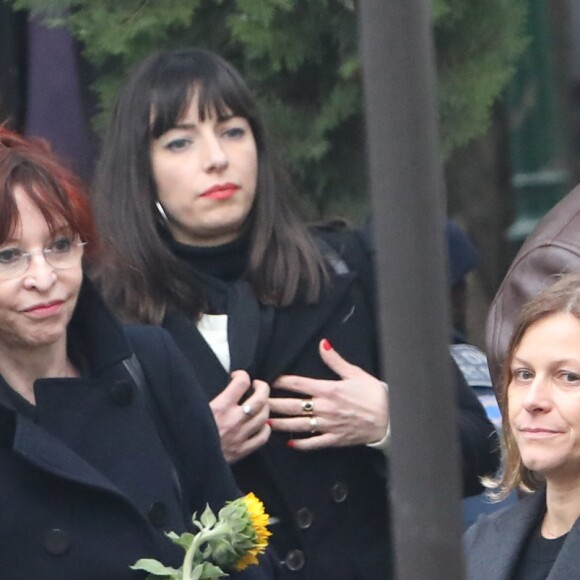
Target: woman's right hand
x=242, y=426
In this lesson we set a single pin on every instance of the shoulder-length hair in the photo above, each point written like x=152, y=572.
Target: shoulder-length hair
x=562, y=296
x=29, y=164
x=140, y=277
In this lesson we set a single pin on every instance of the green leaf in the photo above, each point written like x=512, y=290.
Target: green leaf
x=208, y=518
x=184, y=540
x=209, y=571
x=156, y=568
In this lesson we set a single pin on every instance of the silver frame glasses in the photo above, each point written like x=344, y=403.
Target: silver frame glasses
x=22, y=265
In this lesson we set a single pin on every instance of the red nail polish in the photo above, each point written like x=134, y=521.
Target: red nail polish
x=326, y=344
x=290, y=444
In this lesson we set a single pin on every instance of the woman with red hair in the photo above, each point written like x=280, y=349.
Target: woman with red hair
x=99, y=455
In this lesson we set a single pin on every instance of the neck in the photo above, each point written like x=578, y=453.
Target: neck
x=22, y=367
x=562, y=508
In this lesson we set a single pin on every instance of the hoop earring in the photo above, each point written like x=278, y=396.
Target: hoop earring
x=162, y=213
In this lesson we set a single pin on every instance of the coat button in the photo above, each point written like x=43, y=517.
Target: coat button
x=122, y=393
x=339, y=492
x=56, y=542
x=295, y=560
x=157, y=513
x=304, y=518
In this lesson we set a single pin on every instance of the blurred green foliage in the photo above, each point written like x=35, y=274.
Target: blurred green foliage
x=300, y=57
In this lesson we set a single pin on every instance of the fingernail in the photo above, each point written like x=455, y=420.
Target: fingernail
x=290, y=444
x=326, y=344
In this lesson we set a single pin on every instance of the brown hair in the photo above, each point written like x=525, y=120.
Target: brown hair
x=562, y=296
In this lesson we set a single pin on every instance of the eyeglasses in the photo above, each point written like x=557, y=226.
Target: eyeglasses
x=62, y=253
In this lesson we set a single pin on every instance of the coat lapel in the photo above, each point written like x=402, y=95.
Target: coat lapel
x=40, y=448
x=503, y=549
x=295, y=326
x=208, y=369
x=568, y=561
x=244, y=325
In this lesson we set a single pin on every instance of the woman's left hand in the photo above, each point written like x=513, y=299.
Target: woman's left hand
x=352, y=410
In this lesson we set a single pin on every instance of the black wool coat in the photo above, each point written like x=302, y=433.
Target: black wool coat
x=329, y=505
x=87, y=486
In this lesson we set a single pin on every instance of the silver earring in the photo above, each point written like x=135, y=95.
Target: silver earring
x=161, y=212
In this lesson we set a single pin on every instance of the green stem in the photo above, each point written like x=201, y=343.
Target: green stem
x=191, y=551
x=203, y=535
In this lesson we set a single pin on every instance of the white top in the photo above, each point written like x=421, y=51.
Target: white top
x=214, y=329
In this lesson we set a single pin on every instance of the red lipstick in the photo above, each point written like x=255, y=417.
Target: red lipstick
x=221, y=191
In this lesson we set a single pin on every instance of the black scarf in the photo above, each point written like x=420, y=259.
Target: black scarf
x=221, y=272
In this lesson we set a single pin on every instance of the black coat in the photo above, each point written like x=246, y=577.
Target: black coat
x=330, y=504
x=86, y=486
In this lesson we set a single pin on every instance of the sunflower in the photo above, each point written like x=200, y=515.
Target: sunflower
x=233, y=539
x=258, y=521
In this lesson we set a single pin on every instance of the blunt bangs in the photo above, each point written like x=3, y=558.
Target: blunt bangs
x=177, y=77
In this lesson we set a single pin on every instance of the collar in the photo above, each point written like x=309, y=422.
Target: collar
x=94, y=332
x=227, y=262
x=100, y=336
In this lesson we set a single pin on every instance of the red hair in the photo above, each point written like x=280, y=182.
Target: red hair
x=59, y=195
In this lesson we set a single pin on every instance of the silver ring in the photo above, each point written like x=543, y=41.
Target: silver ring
x=308, y=407
x=313, y=424
x=247, y=409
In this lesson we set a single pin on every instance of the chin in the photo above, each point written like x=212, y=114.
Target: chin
x=545, y=466
x=46, y=338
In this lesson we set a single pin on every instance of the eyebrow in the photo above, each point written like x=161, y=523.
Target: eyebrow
x=220, y=119
x=567, y=361
x=185, y=126
x=519, y=360
x=228, y=116
x=558, y=362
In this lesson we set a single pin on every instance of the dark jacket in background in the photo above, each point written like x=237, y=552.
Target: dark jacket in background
x=86, y=486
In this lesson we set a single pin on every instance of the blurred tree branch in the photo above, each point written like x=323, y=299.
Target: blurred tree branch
x=301, y=58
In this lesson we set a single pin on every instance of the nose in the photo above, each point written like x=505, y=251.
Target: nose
x=40, y=274
x=538, y=397
x=214, y=155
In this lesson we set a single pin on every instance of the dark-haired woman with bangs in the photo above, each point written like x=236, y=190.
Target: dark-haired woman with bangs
x=196, y=212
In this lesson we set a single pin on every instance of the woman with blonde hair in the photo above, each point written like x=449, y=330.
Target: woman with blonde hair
x=538, y=537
